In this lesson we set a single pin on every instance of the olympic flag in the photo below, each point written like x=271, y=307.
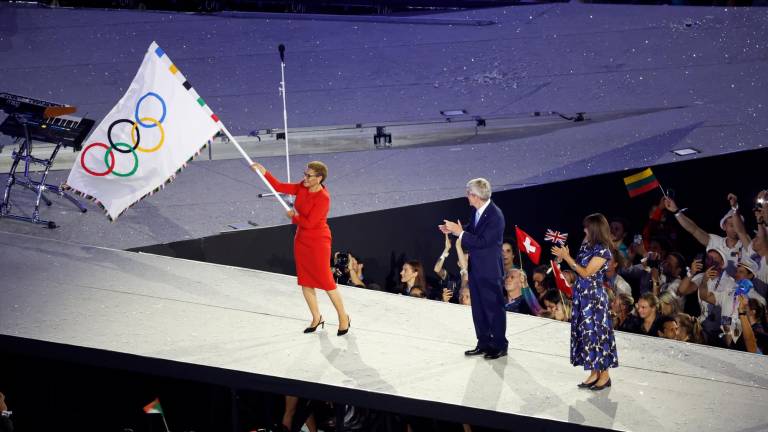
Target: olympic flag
x=156, y=128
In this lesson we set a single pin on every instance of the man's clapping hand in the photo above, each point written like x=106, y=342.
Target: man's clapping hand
x=449, y=227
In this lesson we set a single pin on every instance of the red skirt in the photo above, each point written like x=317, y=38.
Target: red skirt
x=312, y=252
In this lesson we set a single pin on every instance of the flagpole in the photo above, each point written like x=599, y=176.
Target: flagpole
x=165, y=422
x=662, y=191
x=281, y=48
x=250, y=162
x=519, y=252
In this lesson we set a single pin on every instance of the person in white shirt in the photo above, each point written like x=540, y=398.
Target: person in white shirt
x=729, y=246
x=756, y=249
x=712, y=280
x=746, y=270
x=728, y=302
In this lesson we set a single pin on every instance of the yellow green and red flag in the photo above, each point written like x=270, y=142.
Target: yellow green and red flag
x=641, y=183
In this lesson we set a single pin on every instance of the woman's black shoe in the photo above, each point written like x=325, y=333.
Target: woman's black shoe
x=312, y=329
x=346, y=330
x=596, y=387
x=587, y=384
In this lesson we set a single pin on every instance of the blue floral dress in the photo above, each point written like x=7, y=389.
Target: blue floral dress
x=592, y=343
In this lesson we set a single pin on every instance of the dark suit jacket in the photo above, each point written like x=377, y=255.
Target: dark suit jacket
x=483, y=243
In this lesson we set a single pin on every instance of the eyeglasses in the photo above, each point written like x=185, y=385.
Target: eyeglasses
x=307, y=175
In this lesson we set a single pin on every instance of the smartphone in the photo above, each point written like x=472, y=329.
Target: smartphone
x=638, y=238
x=700, y=257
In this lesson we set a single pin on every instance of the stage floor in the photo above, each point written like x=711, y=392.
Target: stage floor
x=243, y=327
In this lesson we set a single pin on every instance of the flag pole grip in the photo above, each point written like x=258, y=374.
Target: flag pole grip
x=250, y=162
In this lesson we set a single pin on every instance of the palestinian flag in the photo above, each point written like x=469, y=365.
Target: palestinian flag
x=154, y=407
x=641, y=183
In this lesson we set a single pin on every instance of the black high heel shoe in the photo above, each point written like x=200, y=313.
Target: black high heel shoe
x=596, y=387
x=320, y=323
x=346, y=330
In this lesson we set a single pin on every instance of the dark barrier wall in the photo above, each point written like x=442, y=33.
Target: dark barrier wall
x=384, y=239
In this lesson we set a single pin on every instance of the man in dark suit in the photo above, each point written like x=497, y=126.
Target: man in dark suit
x=482, y=238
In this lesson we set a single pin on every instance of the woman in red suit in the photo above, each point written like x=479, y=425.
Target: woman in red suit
x=312, y=244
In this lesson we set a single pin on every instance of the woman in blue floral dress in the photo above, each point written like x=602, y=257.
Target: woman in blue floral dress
x=592, y=342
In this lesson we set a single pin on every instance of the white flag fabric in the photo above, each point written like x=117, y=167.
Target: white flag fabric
x=159, y=125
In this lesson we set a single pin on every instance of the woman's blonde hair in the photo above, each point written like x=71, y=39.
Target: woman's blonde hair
x=670, y=299
x=320, y=169
x=691, y=327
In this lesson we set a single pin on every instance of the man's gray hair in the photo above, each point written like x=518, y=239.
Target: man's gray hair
x=480, y=188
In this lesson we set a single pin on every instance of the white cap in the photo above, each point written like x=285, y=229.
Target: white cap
x=725, y=218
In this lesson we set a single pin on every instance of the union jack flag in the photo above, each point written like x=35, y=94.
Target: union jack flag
x=556, y=237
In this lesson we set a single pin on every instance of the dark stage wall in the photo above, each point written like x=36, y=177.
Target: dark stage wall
x=384, y=239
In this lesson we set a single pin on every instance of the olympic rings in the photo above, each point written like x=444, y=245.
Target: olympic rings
x=135, y=141
x=125, y=148
x=135, y=160
x=162, y=135
x=138, y=104
x=110, y=166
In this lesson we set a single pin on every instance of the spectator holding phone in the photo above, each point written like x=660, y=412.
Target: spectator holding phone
x=710, y=281
x=755, y=253
x=727, y=299
x=454, y=287
x=448, y=283
x=642, y=276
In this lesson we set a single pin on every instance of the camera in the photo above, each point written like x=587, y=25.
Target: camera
x=654, y=260
x=341, y=267
x=759, y=203
x=341, y=261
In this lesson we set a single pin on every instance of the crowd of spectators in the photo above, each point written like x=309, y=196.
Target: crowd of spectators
x=712, y=295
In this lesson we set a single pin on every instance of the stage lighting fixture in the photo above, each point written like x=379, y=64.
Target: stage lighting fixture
x=686, y=151
x=453, y=113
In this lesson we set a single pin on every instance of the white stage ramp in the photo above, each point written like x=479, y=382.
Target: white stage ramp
x=242, y=328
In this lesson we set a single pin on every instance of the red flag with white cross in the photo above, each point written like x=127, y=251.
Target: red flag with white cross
x=528, y=245
x=560, y=281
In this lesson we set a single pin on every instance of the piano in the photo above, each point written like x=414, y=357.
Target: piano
x=38, y=120
x=46, y=121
